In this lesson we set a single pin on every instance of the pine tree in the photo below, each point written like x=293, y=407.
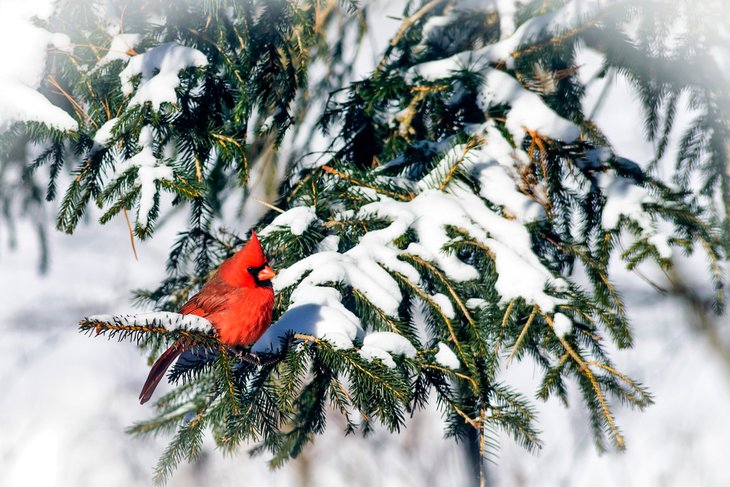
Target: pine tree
x=441, y=234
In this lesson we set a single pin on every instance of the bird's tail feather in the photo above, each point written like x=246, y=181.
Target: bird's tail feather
x=160, y=367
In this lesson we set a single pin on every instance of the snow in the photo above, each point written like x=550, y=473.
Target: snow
x=368, y=265
x=532, y=31
x=324, y=322
x=361, y=267
x=122, y=45
x=661, y=244
x=315, y=312
x=444, y=303
x=392, y=343
x=383, y=345
x=498, y=187
x=527, y=110
x=148, y=173
x=297, y=219
x=428, y=214
x=475, y=303
x=158, y=69
x=103, y=135
x=518, y=277
x=62, y=42
x=562, y=325
x=21, y=103
x=506, y=9
x=22, y=65
x=167, y=320
x=446, y=357
x=329, y=244
x=624, y=198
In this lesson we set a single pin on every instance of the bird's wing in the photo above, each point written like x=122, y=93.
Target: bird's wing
x=211, y=298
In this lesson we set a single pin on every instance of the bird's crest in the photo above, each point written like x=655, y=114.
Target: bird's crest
x=251, y=255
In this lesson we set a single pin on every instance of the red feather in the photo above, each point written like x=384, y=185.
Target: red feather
x=238, y=301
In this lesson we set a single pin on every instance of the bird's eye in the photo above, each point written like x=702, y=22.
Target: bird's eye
x=251, y=270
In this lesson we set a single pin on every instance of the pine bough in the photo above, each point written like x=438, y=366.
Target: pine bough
x=434, y=241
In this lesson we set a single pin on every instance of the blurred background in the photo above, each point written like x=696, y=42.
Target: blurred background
x=67, y=398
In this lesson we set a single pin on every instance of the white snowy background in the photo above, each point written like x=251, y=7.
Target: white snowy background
x=66, y=398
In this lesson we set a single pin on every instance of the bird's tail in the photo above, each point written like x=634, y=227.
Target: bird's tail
x=160, y=367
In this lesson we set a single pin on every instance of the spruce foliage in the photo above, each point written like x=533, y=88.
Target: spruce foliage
x=461, y=115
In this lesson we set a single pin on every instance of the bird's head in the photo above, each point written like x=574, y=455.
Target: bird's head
x=248, y=267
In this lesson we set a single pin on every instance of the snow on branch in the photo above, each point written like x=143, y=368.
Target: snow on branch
x=625, y=200
x=121, y=48
x=373, y=266
x=383, y=345
x=149, y=172
x=158, y=70
x=166, y=320
x=561, y=22
x=297, y=220
x=446, y=357
x=22, y=68
x=527, y=110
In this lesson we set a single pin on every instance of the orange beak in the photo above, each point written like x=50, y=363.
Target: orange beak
x=266, y=273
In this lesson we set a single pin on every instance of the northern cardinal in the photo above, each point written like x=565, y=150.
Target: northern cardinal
x=238, y=301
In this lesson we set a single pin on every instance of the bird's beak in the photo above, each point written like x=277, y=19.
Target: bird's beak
x=266, y=273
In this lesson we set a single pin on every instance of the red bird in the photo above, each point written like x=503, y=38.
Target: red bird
x=238, y=301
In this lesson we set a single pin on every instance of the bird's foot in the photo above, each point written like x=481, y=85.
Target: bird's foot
x=257, y=359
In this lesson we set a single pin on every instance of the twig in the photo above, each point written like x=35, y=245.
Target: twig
x=522, y=336
x=352, y=180
x=267, y=205
x=131, y=233
x=407, y=23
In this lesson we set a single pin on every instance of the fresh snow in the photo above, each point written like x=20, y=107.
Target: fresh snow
x=22, y=66
x=158, y=69
x=329, y=244
x=494, y=170
x=361, y=267
x=121, y=47
x=297, y=220
x=624, y=198
x=661, y=244
x=371, y=353
x=21, y=103
x=149, y=172
x=526, y=109
x=167, y=320
x=367, y=267
x=498, y=187
x=103, y=135
x=383, y=345
x=444, y=303
x=520, y=272
x=562, y=325
x=446, y=357
x=532, y=31
x=390, y=342
x=475, y=303
x=314, y=311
